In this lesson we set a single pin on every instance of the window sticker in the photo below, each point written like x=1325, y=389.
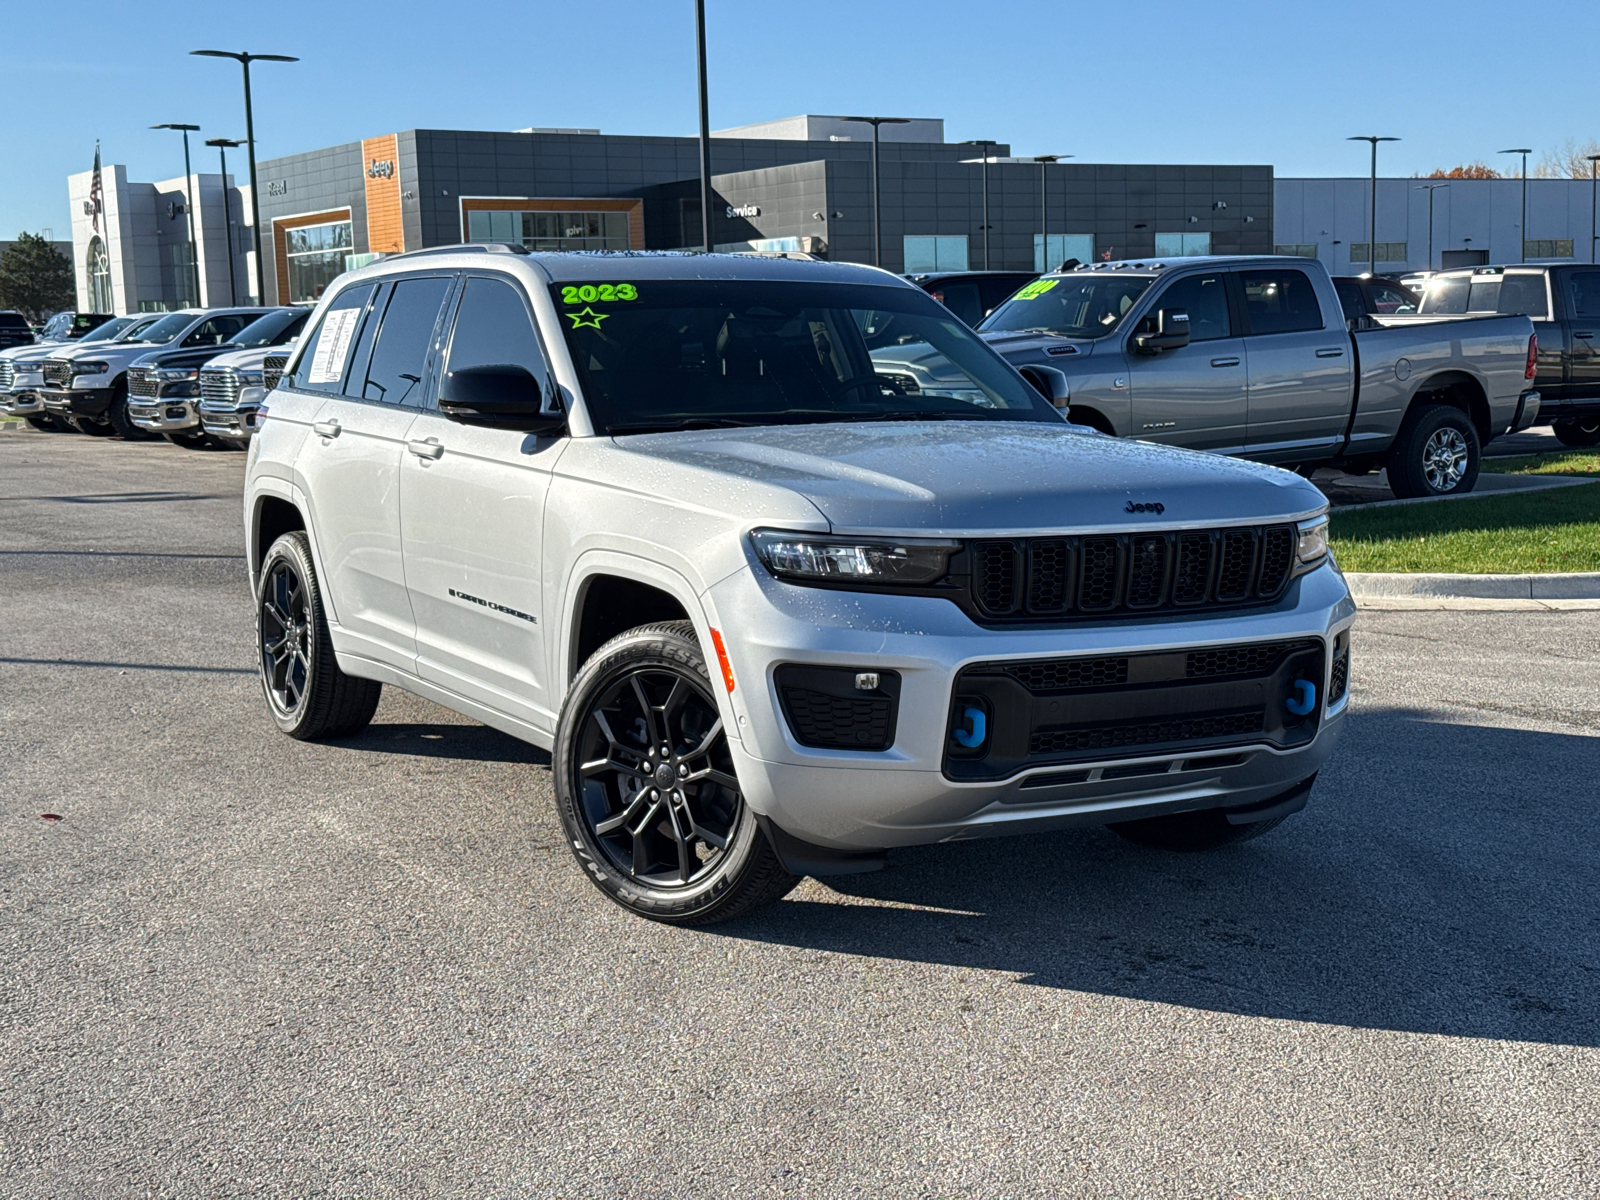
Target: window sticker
x=1036, y=289
x=587, y=317
x=327, y=365
x=604, y=293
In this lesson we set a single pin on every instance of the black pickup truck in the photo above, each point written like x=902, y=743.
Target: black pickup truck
x=1564, y=303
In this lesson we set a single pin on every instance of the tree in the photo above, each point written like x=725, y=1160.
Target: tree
x=36, y=278
x=1475, y=170
x=1567, y=161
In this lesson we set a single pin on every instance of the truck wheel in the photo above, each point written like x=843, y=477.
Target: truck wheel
x=1190, y=831
x=118, y=420
x=645, y=786
x=1581, y=431
x=1436, y=454
x=307, y=693
x=93, y=429
x=190, y=441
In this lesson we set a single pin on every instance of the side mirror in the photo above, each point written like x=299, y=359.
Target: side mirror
x=1172, y=332
x=503, y=395
x=1049, y=382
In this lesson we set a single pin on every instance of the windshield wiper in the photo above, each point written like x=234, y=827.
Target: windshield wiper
x=926, y=415
x=686, y=423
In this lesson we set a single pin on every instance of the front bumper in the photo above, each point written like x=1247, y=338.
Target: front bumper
x=21, y=402
x=849, y=800
x=164, y=414
x=89, y=403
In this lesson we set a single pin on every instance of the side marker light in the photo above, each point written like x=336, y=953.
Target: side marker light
x=722, y=660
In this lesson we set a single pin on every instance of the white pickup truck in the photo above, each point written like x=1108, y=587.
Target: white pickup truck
x=1252, y=357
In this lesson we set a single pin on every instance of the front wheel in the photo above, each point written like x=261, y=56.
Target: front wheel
x=1435, y=454
x=646, y=790
x=120, y=421
x=308, y=695
x=1581, y=431
x=92, y=428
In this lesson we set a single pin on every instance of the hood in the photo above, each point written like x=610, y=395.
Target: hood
x=1039, y=347
x=247, y=360
x=175, y=357
x=961, y=477
x=35, y=353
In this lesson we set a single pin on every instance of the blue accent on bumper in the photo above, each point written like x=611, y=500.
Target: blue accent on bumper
x=973, y=738
x=1306, y=701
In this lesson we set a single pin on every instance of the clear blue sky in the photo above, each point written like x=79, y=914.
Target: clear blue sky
x=1232, y=81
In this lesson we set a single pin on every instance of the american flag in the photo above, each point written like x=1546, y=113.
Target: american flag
x=96, y=195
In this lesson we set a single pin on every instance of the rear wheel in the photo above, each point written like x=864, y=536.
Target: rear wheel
x=646, y=790
x=1582, y=431
x=1435, y=454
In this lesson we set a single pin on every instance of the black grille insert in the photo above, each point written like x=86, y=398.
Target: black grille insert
x=827, y=710
x=272, y=370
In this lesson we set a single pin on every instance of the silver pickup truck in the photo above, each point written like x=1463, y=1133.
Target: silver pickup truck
x=1252, y=357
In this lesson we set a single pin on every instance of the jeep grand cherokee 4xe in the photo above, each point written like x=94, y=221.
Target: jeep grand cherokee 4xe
x=776, y=610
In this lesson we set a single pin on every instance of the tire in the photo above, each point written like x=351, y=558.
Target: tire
x=1580, y=431
x=117, y=418
x=1435, y=454
x=1191, y=831
x=83, y=425
x=698, y=857
x=309, y=697
x=190, y=441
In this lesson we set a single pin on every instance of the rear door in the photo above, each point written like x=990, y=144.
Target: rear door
x=1193, y=396
x=1527, y=293
x=1300, y=374
x=472, y=500
x=1582, y=296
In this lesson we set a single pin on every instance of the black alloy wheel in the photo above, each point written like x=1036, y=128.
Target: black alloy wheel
x=118, y=419
x=285, y=629
x=646, y=789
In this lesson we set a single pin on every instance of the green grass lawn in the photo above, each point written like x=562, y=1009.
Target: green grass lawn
x=1504, y=534
x=1559, y=462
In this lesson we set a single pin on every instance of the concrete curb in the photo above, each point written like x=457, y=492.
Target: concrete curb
x=1545, y=483
x=1373, y=585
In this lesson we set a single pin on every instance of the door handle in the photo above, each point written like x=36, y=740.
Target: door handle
x=427, y=449
x=1224, y=362
x=328, y=429
x=1585, y=336
x=1333, y=352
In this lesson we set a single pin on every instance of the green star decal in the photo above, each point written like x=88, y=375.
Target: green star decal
x=588, y=317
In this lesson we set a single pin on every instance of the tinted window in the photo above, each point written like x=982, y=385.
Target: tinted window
x=274, y=329
x=493, y=329
x=961, y=299
x=166, y=328
x=1485, y=294
x=1350, y=298
x=1386, y=298
x=401, y=353
x=12, y=321
x=1079, y=304
x=1522, y=294
x=1584, y=288
x=1447, y=294
x=1280, y=301
x=217, y=330
x=327, y=351
x=1205, y=299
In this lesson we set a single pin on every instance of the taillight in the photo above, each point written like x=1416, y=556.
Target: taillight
x=1533, y=357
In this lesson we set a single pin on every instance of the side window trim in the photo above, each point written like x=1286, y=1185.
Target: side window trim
x=387, y=286
x=361, y=354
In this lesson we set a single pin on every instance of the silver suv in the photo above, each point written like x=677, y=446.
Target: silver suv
x=773, y=609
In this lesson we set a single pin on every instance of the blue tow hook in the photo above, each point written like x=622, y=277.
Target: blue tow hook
x=972, y=738
x=1305, y=701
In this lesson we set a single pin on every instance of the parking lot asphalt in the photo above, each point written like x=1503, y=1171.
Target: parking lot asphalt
x=239, y=965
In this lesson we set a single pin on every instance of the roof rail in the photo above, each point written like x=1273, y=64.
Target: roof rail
x=465, y=248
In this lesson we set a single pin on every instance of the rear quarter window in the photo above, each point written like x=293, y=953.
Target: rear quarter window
x=326, y=357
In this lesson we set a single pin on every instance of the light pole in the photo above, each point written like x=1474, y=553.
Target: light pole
x=1372, y=225
x=1430, y=188
x=1594, y=166
x=985, y=143
x=1044, y=160
x=877, y=218
x=223, y=145
x=1524, y=151
x=188, y=208
x=244, y=59
x=705, y=125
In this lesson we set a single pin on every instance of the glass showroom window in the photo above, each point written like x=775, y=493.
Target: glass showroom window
x=924, y=254
x=1062, y=247
x=316, y=255
x=1296, y=249
x=550, y=230
x=99, y=277
x=1182, y=245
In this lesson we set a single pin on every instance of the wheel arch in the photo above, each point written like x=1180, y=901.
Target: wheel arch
x=1083, y=414
x=610, y=593
x=1456, y=389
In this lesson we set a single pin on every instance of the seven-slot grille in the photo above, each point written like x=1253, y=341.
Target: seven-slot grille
x=272, y=369
x=219, y=387
x=1087, y=576
x=57, y=372
x=8, y=374
x=142, y=383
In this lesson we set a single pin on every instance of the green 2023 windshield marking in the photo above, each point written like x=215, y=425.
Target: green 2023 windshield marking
x=591, y=293
x=1036, y=289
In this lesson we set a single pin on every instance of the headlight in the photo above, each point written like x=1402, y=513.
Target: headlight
x=1312, y=546
x=88, y=368
x=871, y=561
x=250, y=378
x=177, y=374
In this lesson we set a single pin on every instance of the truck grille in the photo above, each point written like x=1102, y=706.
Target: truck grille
x=272, y=369
x=8, y=374
x=219, y=388
x=1119, y=574
x=142, y=383
x=1041, y=712
x=57, y=372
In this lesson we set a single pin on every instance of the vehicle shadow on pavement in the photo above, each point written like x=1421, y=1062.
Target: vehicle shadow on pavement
x=471, y=742
x=1443, y=880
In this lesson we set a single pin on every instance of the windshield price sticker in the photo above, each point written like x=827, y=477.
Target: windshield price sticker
x=1036, y=289
x=327, y=365
x=590, y=293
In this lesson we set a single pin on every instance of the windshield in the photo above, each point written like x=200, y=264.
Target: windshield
x=686, y=354
x=1077, y=305
x=132, y=332
x=107, y=331
x=165, y=329
x=274, y=329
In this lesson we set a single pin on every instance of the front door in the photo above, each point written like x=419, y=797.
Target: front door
x=1583, y=306
x=1193, y=396
x=473, y=504
x=1301, y=373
